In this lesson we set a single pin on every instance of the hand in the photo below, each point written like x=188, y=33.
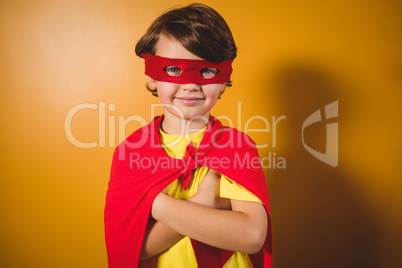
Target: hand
x=208, y=193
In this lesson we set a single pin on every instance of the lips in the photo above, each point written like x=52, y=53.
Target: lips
x=189, y=100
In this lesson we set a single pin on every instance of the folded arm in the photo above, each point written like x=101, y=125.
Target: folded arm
x=242, y=229
x=159, y=237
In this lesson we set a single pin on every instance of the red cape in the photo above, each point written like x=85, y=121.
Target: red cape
x=141, y=169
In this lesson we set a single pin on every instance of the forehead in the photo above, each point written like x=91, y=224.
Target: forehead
x=169, y=47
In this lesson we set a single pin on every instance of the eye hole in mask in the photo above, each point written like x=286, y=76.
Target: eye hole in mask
x=209, y=72
x=206, y=73
x=173, y=70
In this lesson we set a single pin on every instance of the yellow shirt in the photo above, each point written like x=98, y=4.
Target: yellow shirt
x=181, y=254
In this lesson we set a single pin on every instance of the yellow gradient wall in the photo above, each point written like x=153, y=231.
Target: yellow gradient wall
x=72, y=87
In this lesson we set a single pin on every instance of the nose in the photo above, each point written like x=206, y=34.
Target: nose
x=191, y=87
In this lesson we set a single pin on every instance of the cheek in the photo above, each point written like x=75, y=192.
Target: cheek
x=165, y=90
x=214, y=90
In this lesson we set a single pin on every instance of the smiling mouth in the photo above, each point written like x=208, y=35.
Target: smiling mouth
x=189, y=100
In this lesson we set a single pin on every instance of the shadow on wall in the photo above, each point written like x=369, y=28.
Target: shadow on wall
x=319, y=218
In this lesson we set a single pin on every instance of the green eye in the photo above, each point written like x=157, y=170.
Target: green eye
x=209, y=72
x=173, y=70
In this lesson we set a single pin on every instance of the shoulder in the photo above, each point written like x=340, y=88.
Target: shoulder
x=143, y=139
x=231, y=136
x=137, y=137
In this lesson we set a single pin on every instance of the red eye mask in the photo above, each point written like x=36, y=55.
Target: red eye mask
x=192, y=71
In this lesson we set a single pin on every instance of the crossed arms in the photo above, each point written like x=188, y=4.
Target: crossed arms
x=223, y=223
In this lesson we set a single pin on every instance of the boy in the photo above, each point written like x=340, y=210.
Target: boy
x=178, y=194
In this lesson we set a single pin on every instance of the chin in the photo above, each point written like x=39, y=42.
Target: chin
x=195, y=116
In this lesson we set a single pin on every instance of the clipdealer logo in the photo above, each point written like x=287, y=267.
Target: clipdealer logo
x=330, y=156
x=271, y=161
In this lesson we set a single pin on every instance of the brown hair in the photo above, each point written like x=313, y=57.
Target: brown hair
x=198, y=27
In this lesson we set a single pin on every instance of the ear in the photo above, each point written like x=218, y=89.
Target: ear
x=151, y=83
x=223, y=88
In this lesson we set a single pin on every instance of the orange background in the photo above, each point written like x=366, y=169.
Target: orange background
x=294, y=58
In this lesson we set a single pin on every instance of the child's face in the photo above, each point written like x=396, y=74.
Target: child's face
x=190, y=100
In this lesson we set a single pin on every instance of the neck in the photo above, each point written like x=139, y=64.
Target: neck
x=182, y=126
